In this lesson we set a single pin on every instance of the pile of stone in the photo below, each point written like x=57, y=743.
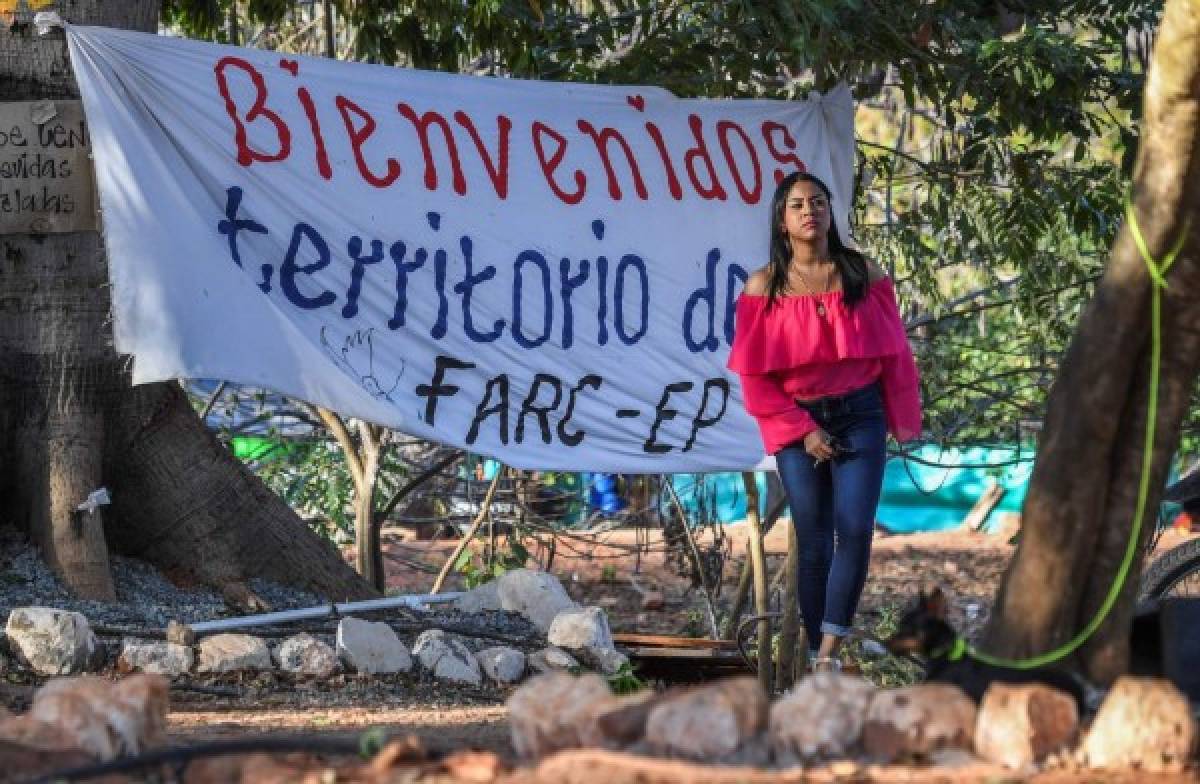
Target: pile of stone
x=845, y=722
x=52, y=641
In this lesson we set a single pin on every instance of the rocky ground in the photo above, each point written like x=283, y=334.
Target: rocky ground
x=615, y=571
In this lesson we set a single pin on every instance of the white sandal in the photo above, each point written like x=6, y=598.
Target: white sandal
x=826, y=664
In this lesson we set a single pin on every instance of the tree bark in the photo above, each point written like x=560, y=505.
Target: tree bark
x=71, y=422
x=1082, y=499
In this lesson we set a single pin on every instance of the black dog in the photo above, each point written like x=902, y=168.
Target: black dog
x=923, y=630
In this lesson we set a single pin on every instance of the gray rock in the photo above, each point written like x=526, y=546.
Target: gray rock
x=916, y=721
x=159, y=658
x=585, y=634
x=304, y=654
x=536, y=595
x=371, y=648
x=51, y=641
x=552, y=712
x=233, y=652
x=711, y=723
x=552, y=660
x=485, y=598
x=501, y=664
x=447, y=657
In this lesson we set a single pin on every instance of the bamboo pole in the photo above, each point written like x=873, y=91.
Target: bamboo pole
x=484, y=513
x=758, y=561
x=789, y=635
x=743, y=587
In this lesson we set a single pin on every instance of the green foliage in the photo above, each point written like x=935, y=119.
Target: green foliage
x=693, y=623
x=625, y=681
x=476, y=571
x=886, y=671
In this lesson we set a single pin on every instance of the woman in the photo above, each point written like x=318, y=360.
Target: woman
x=827, y=372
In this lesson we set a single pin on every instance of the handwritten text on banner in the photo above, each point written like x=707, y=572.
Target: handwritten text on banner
x=541, y=272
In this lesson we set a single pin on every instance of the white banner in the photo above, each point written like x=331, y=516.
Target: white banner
x=540, y=272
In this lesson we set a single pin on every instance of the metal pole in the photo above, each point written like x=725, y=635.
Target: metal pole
x=306, y=613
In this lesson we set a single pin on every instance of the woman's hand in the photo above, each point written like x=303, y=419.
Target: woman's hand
x=818, y=443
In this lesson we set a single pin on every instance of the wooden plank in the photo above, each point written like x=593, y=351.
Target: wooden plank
x=988, y=501
x=46, y=181
x=706, y=654
x=668, y=641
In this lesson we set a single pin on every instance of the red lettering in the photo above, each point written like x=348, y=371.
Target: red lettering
x=549, y=165
x=724, y=127
x=422, y=125
x=314, y=125
x=601, y=140
x=700, y=152
x=498, y=175
x=771, y=127
x=359, y=136
x=245, y=153
x=668, y=167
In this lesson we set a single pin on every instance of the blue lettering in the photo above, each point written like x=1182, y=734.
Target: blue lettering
x=350, y=309
x=397, y=252
x=466, y=288
x=627, y=261
x=547, y=302
x=705, y=296
x=287, y=272
x=569, y=284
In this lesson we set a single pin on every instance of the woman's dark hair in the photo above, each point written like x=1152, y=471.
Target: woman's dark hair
x=851, y=265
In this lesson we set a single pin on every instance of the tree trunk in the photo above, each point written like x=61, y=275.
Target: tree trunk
x=1083, y=495
x=70, y=421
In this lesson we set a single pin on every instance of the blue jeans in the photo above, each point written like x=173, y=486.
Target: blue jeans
x=833, y=507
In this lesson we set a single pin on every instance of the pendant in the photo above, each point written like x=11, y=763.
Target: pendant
x=821, y=309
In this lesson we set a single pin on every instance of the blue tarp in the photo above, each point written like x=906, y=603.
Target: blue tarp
x=916, y=496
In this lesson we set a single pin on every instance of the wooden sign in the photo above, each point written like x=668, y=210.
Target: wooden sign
x=46, y=180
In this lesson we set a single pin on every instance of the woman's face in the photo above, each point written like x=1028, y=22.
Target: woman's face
x=806, y=212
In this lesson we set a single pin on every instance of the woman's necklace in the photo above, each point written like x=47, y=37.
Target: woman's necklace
x=809, y=289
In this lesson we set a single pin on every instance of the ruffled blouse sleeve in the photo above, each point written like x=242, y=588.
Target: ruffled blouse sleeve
x=899, y=380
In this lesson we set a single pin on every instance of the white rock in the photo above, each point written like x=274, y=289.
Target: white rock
x=822, y=716
x=585, y=634
x=372, y=648
x=484, y=598
x=304, y=654
x=552, y=660
x=51, y=641
x=233, y=652
x=501, y=664
x=536, y=595
x=1144, y=723
x=159, y=658
x=447, y=657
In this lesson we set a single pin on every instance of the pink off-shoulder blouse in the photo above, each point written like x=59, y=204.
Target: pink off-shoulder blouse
x=794, y=351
